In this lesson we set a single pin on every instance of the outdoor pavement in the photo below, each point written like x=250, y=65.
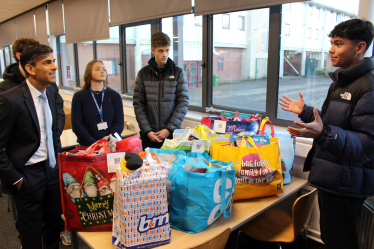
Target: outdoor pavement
x=252, y=94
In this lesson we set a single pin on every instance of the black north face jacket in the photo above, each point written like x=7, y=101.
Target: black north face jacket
x=342, y=160
x=160, y=100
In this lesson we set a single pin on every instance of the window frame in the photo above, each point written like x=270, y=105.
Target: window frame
x=228, y=15
x=241, y=19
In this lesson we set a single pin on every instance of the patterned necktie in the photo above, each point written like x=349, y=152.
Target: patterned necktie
x=48, y=129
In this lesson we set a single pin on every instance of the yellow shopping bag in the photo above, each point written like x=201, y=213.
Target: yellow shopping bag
x=203, y=132
x=258, y=171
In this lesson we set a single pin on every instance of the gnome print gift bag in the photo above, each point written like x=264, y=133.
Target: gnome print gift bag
x=87, y=189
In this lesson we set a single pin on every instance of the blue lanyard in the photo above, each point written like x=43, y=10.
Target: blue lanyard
x=97, y=106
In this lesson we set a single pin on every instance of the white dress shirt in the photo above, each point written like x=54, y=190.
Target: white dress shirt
x=41, y=154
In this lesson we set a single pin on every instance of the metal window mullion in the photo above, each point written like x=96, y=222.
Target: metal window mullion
x=272, y=86
x=94, y=50
x=122, y=51
x=207, y=71
x=77, y=81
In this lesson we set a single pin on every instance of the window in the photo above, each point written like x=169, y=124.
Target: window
x=11, y=54
x=310, y=10
x=198, y=20
x=220, y=63
x=308, y=33
x=186, y=51
x=2, y=62
x=108, y=52
x=138, y=52
x=67, y=63
x=225, y=21
x=330, y=15
x=241, y=23
x=237, y=69
x=85, y=55
x=287, y=30
x=287, y=6
x=7, y=56
x=305, y=64
x=53, y=40
x=318, y=12
x=338, y=17
x=316, y=34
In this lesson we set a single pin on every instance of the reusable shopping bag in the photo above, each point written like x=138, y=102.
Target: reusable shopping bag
x=183, y=143
x=140, y=216
x=286, y=148
x=203, y=132
x=198, y=199
x=87, y=189
x=233, y=125
x=257, y=170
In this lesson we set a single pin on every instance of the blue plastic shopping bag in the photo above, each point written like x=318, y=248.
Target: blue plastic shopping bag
x=196, y=201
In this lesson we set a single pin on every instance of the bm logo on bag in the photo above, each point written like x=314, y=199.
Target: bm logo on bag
x=152, y=223
x=217, y=210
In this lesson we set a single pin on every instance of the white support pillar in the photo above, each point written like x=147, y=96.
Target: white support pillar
x=366, y=10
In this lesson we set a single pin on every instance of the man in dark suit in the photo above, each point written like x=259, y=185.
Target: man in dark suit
x=29, y=143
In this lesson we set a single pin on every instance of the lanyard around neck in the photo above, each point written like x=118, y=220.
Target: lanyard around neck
x=97, y=106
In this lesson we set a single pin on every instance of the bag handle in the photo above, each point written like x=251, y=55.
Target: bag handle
x=84, y=176
x=250, y=140
x=262, y=127
x=187, y=132
x=223, y=195
x=96, y=146
x=201, y=129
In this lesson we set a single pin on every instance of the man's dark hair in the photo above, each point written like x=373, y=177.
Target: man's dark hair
x=32, y=54
x=356, y=30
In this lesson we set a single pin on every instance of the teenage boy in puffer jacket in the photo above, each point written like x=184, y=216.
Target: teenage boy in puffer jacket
x=160, y=95
x=341, y=161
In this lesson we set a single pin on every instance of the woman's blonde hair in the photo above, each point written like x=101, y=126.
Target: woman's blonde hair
x=88, y=75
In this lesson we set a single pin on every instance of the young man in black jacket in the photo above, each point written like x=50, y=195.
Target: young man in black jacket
x=160, y=96
x=341, y=161
x=14, y=76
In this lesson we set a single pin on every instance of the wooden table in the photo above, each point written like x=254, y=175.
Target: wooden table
x=242, y=212
x=69, y=139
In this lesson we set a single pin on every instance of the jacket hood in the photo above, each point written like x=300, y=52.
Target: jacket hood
x=13, y=73
x=351, y=74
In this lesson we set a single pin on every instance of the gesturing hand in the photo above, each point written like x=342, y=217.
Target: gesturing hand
x=311, y=130
x=291, y=105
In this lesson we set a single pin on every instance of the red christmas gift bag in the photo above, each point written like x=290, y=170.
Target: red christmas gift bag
x=87, y=187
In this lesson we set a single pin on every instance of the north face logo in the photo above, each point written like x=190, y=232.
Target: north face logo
x=346, y=96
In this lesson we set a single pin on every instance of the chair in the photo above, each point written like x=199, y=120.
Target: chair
x=276, y=226
x=67, y=119
x=218, y=242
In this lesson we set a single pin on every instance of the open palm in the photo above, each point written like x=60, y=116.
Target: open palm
x=291, y=105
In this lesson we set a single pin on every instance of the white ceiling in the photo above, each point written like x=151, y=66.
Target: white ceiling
x=11, y=8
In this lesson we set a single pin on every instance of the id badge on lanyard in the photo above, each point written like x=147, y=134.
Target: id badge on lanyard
x=102, y=125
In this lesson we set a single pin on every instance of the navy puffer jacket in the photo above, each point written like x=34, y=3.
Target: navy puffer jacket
x=160, y=102
x=342, y=160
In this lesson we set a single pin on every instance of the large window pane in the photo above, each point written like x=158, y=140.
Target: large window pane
x=304, y=55
x=185, y=33
x=2, y=62
x=54, y=46
x=85, y=55
x=138, y=52
x=7, y=55
x=108, y=52
x=11, y=54
x=67, y=63
x=240, y=58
